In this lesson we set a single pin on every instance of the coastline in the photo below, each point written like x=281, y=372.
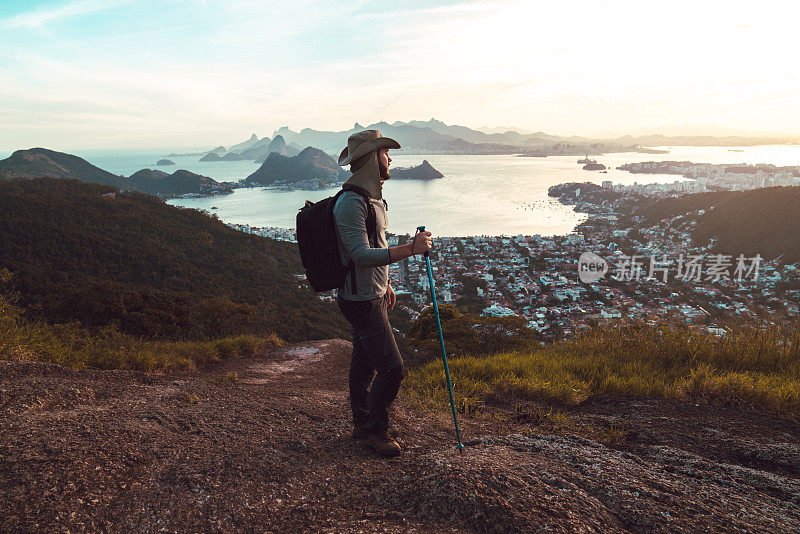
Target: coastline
x=535, y=278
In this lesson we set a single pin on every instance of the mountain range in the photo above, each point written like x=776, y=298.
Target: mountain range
x=253, y=149
x=436, y=136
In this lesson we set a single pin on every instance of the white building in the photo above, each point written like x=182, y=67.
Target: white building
x=495, y=310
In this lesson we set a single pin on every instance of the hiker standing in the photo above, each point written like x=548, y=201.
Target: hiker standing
x=366, y=295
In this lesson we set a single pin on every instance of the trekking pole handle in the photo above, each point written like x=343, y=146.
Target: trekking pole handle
x=421, y=229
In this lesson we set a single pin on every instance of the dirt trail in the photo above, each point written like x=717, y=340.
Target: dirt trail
x=115, y=451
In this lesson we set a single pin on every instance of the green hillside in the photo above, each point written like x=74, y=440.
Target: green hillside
x=41, y=162
x=178, y=183
x=152, y=269
x=760, y=221
x=44, y=163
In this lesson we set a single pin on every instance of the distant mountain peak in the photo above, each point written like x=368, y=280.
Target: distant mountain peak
x=278, y=145
x=310, y=152
x=244, y=145
x=311, y=163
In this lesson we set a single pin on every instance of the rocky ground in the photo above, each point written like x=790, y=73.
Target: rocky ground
x=262, y=444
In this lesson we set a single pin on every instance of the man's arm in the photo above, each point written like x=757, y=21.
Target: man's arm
x=351, y=222
x=351, y=214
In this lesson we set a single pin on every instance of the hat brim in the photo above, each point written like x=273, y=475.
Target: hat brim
x=365, y=148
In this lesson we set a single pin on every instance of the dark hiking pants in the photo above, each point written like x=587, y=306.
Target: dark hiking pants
x=375, y=360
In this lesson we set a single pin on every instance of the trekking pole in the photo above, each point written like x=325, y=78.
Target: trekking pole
x=460, y=447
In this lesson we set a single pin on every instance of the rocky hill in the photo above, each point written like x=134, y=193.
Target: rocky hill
x=424, y=171
x=263, y=444
x=278, y=145
x=178, y=183
x=41, y=162
x=310, y=164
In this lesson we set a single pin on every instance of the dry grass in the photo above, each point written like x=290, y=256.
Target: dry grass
x=758, y=366
x=71, y=346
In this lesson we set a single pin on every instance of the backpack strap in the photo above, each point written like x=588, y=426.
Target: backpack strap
x=372, y=230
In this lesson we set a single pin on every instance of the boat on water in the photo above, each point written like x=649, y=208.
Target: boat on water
x=586, y=160
x=594, y=166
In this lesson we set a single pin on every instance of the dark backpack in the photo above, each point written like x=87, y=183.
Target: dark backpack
x=319, y=247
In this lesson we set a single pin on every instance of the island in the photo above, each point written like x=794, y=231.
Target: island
x=425, y=171
x=311, y=169
x=594, y=166
x=180, y=183
x=165, y=162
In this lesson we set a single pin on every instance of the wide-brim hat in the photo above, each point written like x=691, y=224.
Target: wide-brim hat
x=364, y=142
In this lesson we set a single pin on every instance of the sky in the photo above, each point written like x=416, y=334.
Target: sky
x=191, y=73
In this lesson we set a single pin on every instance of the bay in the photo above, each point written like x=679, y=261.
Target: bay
x=482, y=195
x=479, y=195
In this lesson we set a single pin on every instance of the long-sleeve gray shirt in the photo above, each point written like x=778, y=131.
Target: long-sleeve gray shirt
x=372, y=271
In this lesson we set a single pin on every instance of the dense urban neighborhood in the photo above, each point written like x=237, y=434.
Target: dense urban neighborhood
x=703, y=177
x=658, y=277
x=616, y=267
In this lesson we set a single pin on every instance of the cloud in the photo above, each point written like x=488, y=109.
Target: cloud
x=39, y=17
x=199, y=71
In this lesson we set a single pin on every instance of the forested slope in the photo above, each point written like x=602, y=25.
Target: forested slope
x=152, y=269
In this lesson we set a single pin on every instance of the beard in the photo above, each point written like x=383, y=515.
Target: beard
x=383, y=172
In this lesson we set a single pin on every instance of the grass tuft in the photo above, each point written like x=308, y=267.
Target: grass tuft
x=749, y=365
x=72, y=346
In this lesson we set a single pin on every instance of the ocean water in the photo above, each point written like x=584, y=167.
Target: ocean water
x=479, y=195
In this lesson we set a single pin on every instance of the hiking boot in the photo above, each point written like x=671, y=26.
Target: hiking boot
x=384, y=445
x=359, y=432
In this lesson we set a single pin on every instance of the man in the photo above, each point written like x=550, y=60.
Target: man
x=366, y=294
